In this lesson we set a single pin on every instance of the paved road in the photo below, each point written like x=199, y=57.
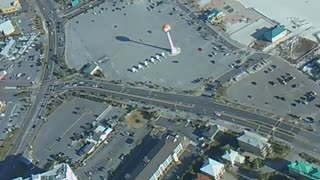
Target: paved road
x=45, y=8
x=204, y=106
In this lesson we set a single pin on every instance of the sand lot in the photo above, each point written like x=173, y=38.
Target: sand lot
x=306, y=13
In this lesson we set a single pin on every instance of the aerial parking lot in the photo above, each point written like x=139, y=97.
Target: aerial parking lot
x=119, y=37
x=69, y=119
x=280, y=88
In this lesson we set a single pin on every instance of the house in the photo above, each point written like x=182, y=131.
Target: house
x=90, y=69
x=275, y=33
x=303, y=170
x=59, y=172
x=255, y=144
x=8, y=6
x=215, y=16
x=6, y=28
x=233, y=157
x=210, y=132
x=213, y=169
x=167, y=155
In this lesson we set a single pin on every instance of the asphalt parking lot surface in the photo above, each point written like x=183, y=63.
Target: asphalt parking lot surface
x=69, y=118
x=108, y=157
x=118, y=49
x=265, y=90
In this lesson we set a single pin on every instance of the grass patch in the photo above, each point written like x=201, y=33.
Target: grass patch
x=4, y=148
x=135, y=119
x=280, y=150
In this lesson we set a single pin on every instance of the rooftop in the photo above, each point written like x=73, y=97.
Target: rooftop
x=6, y=27
x=88, y=68
x=233, y=156
x=253, y=139
x=274, y=31
x=170, y=143
x=305, y=169
x=60, y=171
x=212, y=167
x=213, y=12
x=6, y=3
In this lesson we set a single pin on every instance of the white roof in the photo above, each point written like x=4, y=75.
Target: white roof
x=254, y=139
x=6, y=3
x=233, y=156
x=6, y=27
x=99, y=129
x=212, y=167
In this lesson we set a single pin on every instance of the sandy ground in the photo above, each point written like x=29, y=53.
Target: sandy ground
x=307, y=11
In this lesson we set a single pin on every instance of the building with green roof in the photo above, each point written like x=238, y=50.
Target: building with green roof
x=74, y=2
x=302, y=169
x=215, y=15
x=275, y=33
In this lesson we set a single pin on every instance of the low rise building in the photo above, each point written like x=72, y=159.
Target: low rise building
x=255, y=144
x=210, y=132
x=74, y=2
x=233, y=157
x=90, y=69
x=59, y=172
x=215, y=16
x=304, y=170
x=213, y=169
x=8, y=6
x=6, y=27
x=100, y=134
x=2, y=106
x=167, y=155
x=275, y=33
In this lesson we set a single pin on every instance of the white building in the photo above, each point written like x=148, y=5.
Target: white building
x=59, y=172
x=6, y=50
x=255, y=144
x=213, y=169
x=233, y=157
x=100, y=134
x=6, y=28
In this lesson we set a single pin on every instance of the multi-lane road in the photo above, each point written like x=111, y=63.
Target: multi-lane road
x=202, y=106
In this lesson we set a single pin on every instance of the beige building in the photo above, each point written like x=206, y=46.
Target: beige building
x=169, y=154
x=8, y=6
x=255, y=144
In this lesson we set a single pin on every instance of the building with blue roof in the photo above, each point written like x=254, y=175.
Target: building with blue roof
x=275, y=33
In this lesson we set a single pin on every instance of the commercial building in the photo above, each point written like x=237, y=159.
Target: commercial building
x=233, y=157
x=275, y=33
x=90, y=69
x=8, y=6
x=255, y=144
x=5, y=51
x=167, y=155
x=213, y=169
x=6, y=27
x=59, y=172
x=100, y=134
x=215, y=16
x=303, y=170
